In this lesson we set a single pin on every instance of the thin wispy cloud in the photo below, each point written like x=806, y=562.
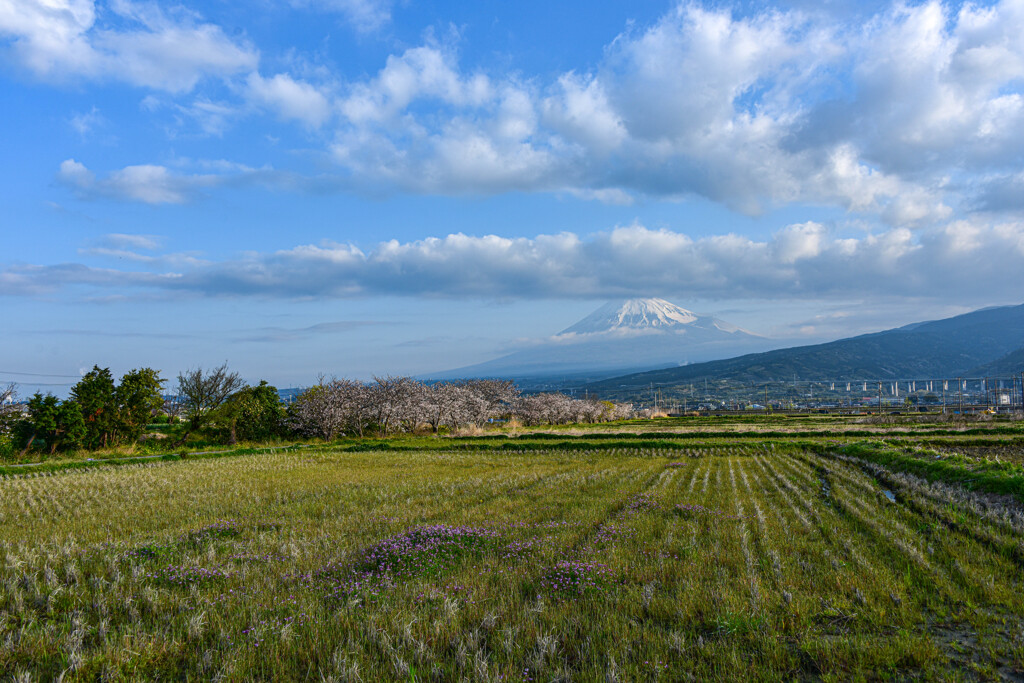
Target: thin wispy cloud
x=286, y=334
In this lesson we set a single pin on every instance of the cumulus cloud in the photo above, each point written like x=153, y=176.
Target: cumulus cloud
x=798, y=261
x=426, y=72
x=144, y=183
x=914, y=117
x=289, y=98
x=751, y=111
x=62, y=40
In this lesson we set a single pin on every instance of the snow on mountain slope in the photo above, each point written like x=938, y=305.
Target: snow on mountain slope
x=633, y=314
x=645, y=315
x=624, y=334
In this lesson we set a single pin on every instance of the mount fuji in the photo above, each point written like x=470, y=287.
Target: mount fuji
x=618, y=337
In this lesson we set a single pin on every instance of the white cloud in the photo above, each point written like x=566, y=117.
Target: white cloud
x=144, y=183
x=364, y=15
x=796, y=242
x=86, y=123
x=186, y=180
x=141, y=250
x=753, y=112
x=799, y=261
x=60, y=40
x=49, y=35
x=213, y=118
x=913, y=119
x=933, y=90
x=119, y=240
x=289, y=98
x=426, y=72
x=580, y=111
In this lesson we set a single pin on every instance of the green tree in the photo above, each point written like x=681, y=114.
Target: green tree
x=254, y=413
x=96, y=397
x=58, y=424
x=138, y=397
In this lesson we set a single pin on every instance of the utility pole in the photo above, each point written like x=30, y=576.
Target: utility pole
x=943, y=397
x=960, y=389
x=879, y=398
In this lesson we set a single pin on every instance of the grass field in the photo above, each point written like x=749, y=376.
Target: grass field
x=603, y=559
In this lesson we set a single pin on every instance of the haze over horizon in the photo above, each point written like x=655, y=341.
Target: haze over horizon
x=361, y=187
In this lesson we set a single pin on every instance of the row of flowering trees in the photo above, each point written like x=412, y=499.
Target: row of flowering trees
x=101, y=413
x=393, y=404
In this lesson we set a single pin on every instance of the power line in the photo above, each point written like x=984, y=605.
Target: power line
x=37, y=374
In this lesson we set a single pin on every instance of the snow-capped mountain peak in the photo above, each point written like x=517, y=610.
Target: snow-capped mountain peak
x=633, y=314
x=636, y=333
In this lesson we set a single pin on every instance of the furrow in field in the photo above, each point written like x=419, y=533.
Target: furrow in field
x=753, y=580
x=695, y=475
x=762, y=537
x=825, y=520
x=783, y=499
x=969, y=546
x=862, y=503
x=995, y=518
x=962, y=563
x=884, y=532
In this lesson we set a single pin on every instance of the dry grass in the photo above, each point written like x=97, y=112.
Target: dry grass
x=739, y=562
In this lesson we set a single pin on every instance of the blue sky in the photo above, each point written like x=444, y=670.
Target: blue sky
x=365, y=186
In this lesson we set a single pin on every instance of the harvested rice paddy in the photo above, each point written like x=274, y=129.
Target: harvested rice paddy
x=746, y=561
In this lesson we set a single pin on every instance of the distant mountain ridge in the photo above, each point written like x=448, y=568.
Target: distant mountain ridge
x=621, y=336
x=969, y=345
x=1010, y=364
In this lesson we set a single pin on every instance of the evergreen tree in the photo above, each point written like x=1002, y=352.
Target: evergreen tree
x=138, y=397
x=56, y=424
x=96, y=397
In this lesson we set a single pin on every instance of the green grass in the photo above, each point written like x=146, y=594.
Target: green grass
x=1001, y=477
x=560, y=559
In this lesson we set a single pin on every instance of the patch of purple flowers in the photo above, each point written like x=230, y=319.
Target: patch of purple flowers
x=421, y=551
x=573, y=578
x=188, y=575
x=518, y=550
x=641, y=502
